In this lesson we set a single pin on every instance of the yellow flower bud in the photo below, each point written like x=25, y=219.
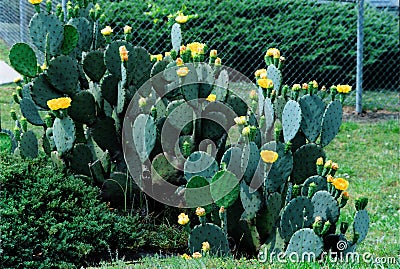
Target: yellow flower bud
x=17, y=79
x=213, y=53
x=345, y=195
x=335, y=166
x=328, y=164
x=296, y=87
x=167, y=53
x=106, y=31
x=127, y=29
x=205, y=246
x=200, y=211
x=304, y=86
x=269, y=156
x=182, y=49
x=183, y=71
x=246, y=131
x=329, y=178
x=315, y=84
x=123, y=53
x=242, y=120
x=186, y=257
x=320, y=161
x=211, y=98
x=217, y=61
x=179, y=61
x=35, y=2
x=259, y=72
x=159, y=57
x=253, y=95
x=43, y=67
x=183, y=219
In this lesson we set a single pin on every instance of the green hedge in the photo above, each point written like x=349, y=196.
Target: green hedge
x=318, y=39
x=51, y=220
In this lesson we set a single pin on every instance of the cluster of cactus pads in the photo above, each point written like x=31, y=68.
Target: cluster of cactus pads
x=174, y=120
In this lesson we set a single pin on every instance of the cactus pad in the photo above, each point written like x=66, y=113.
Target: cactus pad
x=252, y=200
x=318, y=180
x=64, y=134
x=280, y=169
x=80, y=159
x=112, y=58
x=225, y=188
x=94, y=66
x=109, y=89
x=105, y=135
x=268, y=113
x=266, y=221
x=331, y=122
x=70, y=40
x=180, y=113
x=325, y=206
x=303, y=243
x=275, y=75
x=200, y=163
x=232, y=159
x=162, y=169
x=23, y=59
x=250, y=160
x=144, y=135
x=29, y=145
x=30, y=112
x=304, y=160
x=238, y=105
x=221, y=85
x=312, y=110
x=279, y=105
x=46, y=28
x=297, y=214
x=211, y=233
x=291, y=120
x=176, y=36
x=63, y=74
x=361, y=224
x=85, y=30
x=83, y=108
x=198, y=193
x=42, y=91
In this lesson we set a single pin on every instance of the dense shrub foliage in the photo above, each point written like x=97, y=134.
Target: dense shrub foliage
x=319, y=39
x=51, y=220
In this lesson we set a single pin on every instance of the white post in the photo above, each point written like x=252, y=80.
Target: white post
x=360, y=49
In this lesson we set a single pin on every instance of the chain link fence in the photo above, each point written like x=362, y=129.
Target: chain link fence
x=318, y=38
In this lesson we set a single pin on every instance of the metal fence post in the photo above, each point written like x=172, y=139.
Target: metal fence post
x=22, y=16
x=360, y=48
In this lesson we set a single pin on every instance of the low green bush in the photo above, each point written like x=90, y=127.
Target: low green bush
x=318, y=39
x=52, y=220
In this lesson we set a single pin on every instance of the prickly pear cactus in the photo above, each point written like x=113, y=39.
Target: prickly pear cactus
x=325, y=206
x=64, y=134
x=28, y=145
x=305, y=241
x=361, y=224
x=200, y=163
x=211, y=233
x=23, y=59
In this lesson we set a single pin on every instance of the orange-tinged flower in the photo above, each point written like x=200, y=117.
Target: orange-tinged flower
x=265, y=83
x=335, y=166
x=181, y=18
x=211, y=98
x=200, y=211
x=179, y=61
x=106, y=31
x=205, y=246
x=304, y=86
x=343, y=88
x=183, y=219
x=217, y=61
x=345, y=195
x=328, y=164
x=213, y=53
x=186, y=257
x=59, y=103
x=123, y=53
x=340, y=184
x=269, y=156
x=329, y=178
x=183, y=71
x=222, y=209
x=182, y=49
x=197, y=255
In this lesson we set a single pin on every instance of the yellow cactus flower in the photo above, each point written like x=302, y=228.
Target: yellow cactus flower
x=196, y=47
x=181, y=18
x=167, y=53
x=200, y=211
x=43, y=67
x=296, y=87
x=106, y=31
x=183, y=219
x=340, y=184
x=329, y=178
x=265, y=83
x=59, y=103
x=242, y=120
x=127, y=29
x=213, y=53
x=253, y=95
x=328, y=164
x=205, y=246
x=275, y=53
x=35, y=2
x=269, y=156
x=182, y=49
x=263, y=75
x=179, y=61
x=320, y=161
x=246, y=131
x=159, y=57
x=197, y=255
x=217, y=61
x=183, y=71
x=259, y=72
x=186, y=257
x=315, y=84
x=211, y=98
x=123, y=53
x=17, y=79
x=304, y=86
x=343, y=88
